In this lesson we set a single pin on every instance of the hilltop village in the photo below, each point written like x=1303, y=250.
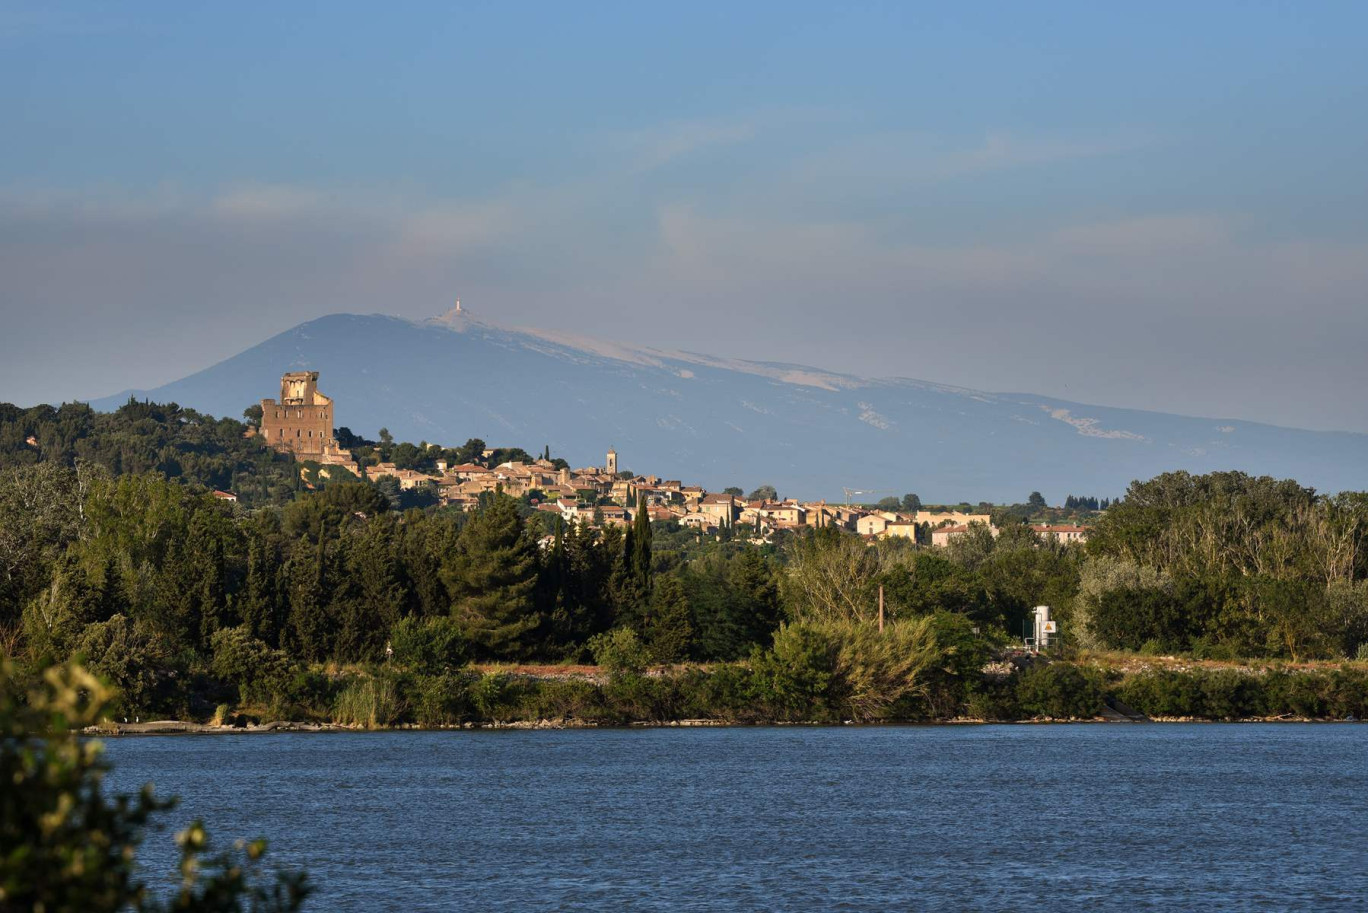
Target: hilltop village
x=301, y=423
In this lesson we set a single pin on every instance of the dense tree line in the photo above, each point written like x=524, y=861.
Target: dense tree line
x=1229, y=565
x=112, y=547
x=140, y=573
x=140, y=437
x=1080, y=502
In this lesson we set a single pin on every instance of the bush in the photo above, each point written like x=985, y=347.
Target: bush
x=441, y=700
x=257, y=671
x=1061, y=691
x=1296, y=694
x=1228, y=694
x=428, y=646
x=305, y=694
x=993, y=700
x=726, y=692
x=883, y=674
x=1163, y=693
x=1232, y=694
x=619, y=651
x=495, y=696
x=794, y=679
x=128, y=658
x=632, y=697
x=957, y=675
x=566, y=700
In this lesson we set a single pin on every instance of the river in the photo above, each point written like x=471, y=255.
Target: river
x=1093, y=817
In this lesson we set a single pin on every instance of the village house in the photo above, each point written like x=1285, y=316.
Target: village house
x=936, y=518
x=692, y=495
x=773, y=515
x=871, y=525
x=720, y=507
x=698, y=520
x=820, y=515
x=904, y=529
x=612, y=515
x=1064, y=534
x=942, y=536
x=465, y=471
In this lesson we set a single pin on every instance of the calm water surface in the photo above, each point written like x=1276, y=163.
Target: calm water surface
x=1209, y=817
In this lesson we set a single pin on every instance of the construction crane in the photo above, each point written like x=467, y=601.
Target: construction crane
x=866, y=491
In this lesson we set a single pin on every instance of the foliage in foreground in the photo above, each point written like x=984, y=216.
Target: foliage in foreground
x=66, y=846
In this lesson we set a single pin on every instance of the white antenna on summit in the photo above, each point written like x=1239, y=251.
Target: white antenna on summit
x=458, y=305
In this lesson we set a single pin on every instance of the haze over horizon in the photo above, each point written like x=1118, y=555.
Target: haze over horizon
x=1161, y=212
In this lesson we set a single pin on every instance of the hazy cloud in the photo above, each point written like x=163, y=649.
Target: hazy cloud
x=653, y=147
x=912, y=157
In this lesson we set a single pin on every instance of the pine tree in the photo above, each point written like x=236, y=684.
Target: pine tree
x=492, y=578
x=668, y=625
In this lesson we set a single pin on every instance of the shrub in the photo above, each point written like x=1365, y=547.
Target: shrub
x=1296, y=694
x=631, y=696
x=493, y=696
x=306, y=693
x=957, y=674
x=565, y=700
x=126, y=656
x=726, y=692
x=441, y=700
x=1061, y=691
x=619, y=651
x=1228, y=694
x=1163, y=693
x=257, y=671
x=884, y=673
x=794, y=679
x=994, y=699
x=1348, y=693
x=428, y=646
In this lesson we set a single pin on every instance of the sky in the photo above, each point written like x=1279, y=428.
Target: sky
x=1160, y=206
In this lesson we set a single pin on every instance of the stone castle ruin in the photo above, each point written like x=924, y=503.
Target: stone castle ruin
x=302, y=421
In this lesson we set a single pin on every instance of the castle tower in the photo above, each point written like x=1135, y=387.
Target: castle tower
x=302, y=422
x=611, y=466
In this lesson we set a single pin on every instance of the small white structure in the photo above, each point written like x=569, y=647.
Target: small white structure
x=1043, y=629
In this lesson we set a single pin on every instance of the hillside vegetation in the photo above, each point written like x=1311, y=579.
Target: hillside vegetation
x=334, y=604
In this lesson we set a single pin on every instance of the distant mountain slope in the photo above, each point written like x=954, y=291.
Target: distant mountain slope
x=719, y=422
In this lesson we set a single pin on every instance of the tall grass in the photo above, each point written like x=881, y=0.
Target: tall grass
x=370, y=702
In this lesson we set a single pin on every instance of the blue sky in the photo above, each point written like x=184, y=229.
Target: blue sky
x=1162, y=206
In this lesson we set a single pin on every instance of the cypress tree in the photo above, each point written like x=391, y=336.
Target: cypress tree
x=639, y=555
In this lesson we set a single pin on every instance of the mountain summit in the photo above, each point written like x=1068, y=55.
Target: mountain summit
x=718, y=422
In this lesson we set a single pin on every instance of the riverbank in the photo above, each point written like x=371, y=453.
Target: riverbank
x=175, y=727
x=1093, y=688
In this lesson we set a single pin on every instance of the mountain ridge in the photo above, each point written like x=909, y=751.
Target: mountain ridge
x=720, y=421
